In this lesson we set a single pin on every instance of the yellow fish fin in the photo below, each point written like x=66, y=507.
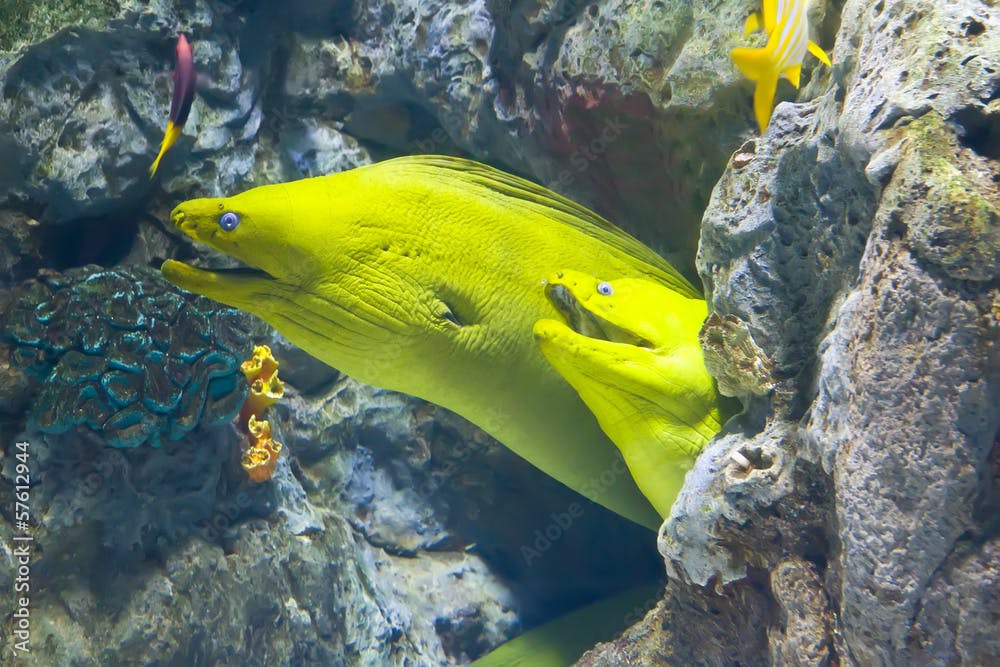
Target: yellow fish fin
x=754, y=63
x=817, y=51
x=763, y=99
x=475, y=178
x=169, y=137
x=793, y=74
x=753, y=24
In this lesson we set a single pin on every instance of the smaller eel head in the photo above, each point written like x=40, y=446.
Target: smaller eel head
x=630, y=349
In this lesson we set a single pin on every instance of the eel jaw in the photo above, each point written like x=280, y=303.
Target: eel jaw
x=235, y=287
x=586, y=323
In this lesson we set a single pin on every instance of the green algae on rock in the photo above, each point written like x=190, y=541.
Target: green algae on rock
x=122, y=354
x=30, y=21
x=949, y=200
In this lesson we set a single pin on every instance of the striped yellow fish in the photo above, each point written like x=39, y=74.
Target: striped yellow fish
x=786, y=24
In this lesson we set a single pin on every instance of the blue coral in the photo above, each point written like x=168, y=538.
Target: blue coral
x=125, y=355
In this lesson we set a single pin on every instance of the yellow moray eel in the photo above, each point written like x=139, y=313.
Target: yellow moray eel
x=631, y=351
x=424, y=275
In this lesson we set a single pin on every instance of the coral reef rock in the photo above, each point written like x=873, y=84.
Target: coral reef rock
x=125, y=355
x=202, y=567
x=858, y=240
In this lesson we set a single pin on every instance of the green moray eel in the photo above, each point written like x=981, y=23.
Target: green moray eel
x=424, y=275
x=561, y=642
x=631, y=351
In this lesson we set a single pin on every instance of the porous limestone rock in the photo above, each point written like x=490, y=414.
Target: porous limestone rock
x=858, y=240
x=207, y=568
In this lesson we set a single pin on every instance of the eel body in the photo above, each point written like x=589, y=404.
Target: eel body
x=630, y=348
x=425, y=275
x=562, y=641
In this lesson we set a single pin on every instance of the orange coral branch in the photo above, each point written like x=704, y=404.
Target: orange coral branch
x=261, y=454
x=260, y=364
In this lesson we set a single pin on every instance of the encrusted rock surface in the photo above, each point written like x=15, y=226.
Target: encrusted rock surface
x=911, y=357
x=170, y=554
x=859, y=243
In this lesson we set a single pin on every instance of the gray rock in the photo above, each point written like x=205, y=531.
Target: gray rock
x=952, y=624
x=210, y=567
x=20, y=247
x=79, y=144
x=805, y=624
x=925, y=389
x=857, y=240
x=692, y=626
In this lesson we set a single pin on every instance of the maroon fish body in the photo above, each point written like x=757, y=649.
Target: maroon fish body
x=184, y=78
x=180, y=104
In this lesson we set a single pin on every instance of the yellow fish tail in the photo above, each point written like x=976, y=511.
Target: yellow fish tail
x=757, y=66
x=169, y=137
x=763, y=99
x=818, y=51
x=754, y=63
x=793, y=74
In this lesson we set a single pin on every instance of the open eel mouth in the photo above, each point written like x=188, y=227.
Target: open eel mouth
x=227, y=285
x=589, y=324
x=218, y=274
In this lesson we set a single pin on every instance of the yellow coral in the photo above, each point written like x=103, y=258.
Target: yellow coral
x=266, y=391
x=261, y=457
x=261, y=364
x=261, y=371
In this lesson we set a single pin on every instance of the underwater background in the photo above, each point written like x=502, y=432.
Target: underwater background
x=851, y=253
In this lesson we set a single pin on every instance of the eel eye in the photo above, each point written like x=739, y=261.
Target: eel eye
x=605, y=289
x=229, y=221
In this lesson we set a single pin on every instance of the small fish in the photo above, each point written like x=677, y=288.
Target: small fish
x=180, y=105
x=786, y=24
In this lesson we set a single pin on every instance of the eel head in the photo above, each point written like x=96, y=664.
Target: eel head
x=630, y=349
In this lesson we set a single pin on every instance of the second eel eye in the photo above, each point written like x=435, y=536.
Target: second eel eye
x=605, y=289
x=229, y=221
